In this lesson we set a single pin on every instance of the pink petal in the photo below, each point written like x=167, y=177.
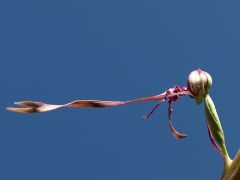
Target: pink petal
x=152, y=111
x=174, y=132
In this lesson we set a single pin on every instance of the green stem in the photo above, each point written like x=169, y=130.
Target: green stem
x=233, y=171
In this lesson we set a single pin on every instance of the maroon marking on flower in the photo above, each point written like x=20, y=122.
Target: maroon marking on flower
x=171, y=95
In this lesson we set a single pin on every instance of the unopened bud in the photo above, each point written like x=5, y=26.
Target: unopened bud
x=199, y=83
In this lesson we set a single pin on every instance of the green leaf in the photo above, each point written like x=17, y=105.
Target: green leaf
x=215, y=124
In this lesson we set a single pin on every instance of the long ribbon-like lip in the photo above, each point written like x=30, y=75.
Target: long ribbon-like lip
x=33, y=106
x=171, y=95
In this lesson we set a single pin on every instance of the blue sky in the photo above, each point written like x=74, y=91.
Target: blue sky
x=59, y=51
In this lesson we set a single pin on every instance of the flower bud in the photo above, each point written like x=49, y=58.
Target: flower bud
x=199, y=83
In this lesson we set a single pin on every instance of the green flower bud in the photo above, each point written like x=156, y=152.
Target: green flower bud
x=199, y=83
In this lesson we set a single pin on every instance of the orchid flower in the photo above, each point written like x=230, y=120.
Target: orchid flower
x=196, y=89
x=198, y=86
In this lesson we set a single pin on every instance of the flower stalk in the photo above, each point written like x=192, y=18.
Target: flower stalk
x=232, y=172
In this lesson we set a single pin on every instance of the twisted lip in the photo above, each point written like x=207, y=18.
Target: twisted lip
x=171, y=95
